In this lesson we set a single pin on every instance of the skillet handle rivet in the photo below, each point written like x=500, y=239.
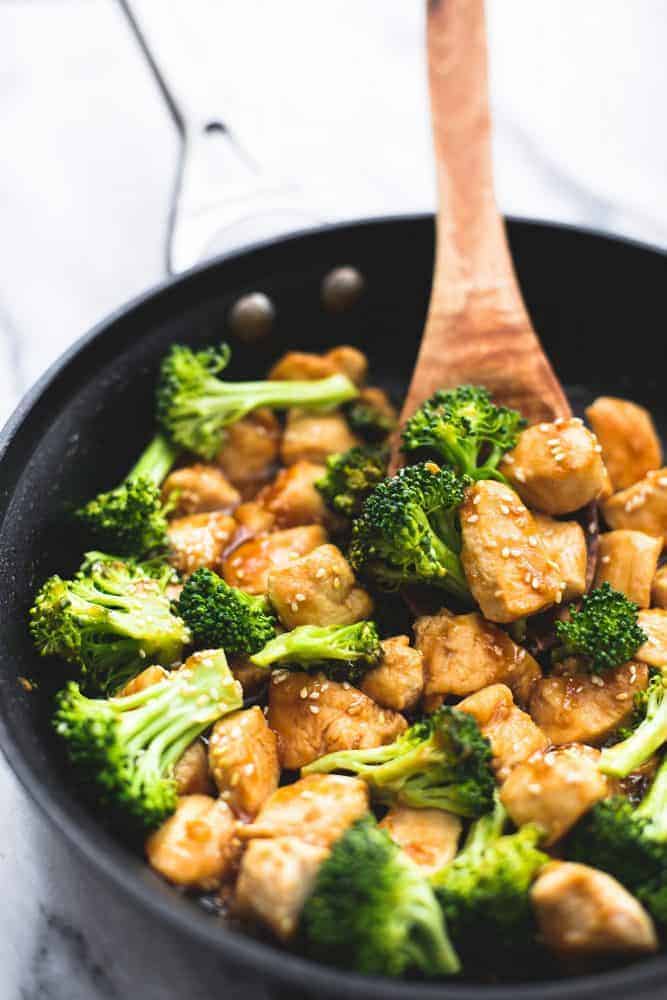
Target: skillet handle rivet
x=341, y=288
x=252, y=316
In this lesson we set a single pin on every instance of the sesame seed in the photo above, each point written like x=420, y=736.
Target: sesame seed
x=320, y=573
x=509, y=459
x=515, y=552
x=597, y=681
x=545, y=428
x=294, y=605
x=336, y=582
x=662, y=481
x=249, y=768
x=505, y=553
x=592, y=528
x=577, y=420
x=472, y=518
x=314, y=695
x=520, y=475
x=534, y=788
x=504, y=509
x=476, y=499
x=314, y=709
x=597, y=448
x=303, y=693
x=535, y=583
x=528, y=578
x=532, y=540
x=300, y=597
x=605, y=559
x=560, y=422
x=622, y=696
x=553, y=441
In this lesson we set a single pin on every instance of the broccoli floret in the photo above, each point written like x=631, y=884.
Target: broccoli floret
x=651, y=733
x=222, y=616
x=195, y=406
x=351, y=476
x=372, y=910
x=131, y=519
x=465, y=429
x=126, y=747
x=484, y=892
x=357, y=647
x=604, y=632
x=441, y=762
x=629, y=843
x=408, y=531
x=111, y=620
x=369, y=422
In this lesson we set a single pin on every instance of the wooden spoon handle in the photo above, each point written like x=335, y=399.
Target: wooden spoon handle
x=478, y=328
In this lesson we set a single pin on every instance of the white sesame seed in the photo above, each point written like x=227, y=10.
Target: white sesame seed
x=605, y=559
x=303, y=693
x=545, y=428
x=520, y=475
x=336, y=582
x=504, y=509
x=622, y=696
x=532, y=540
x=314, y=709
x=320, y=573
x=294, y=605
x=505, y=553
x=597, y=681
x=535, y=583
x=553, y=441
x=472, y=518
x=300, y=597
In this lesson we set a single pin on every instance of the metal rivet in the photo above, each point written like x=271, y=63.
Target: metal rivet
x=341, y=288
x=252, y=316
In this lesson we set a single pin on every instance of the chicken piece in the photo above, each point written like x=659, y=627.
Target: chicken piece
x=512, y=733
x=243, y=755
x=318, y=589
x=250, y=677
x=565, y=544
x=659, y=588
x=429, y=836
x=314, y=716
x=630, y=444
x=317, y=808
x=506, y=565
x=147, y=678
x=583, y=912
x=654, y=650
x=248, y=566
x=191, y=771
x=275, y=879
x=292, y=498
x=199, y=540
x=556, y=468
x=253, y=519
x=641, y=507
x=249, y=454
x=575, y=706
x=197, y=847
x=554, y=788
x=301, y=365
x=199, y=489
x=314, y=436
x=463, y=653
x=397, y=683
x=628, y=560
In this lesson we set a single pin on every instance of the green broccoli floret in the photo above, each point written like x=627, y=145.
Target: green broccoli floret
x=222, y=616
x=651, y=733
x=485, y=891
x=352, y=476
x=355, y=647
x=126, y=747
x=629, y=843
x=369, y=421
x=373, y=911
x=465, y=429
x=604, y=632
x=131, y=519
x=112, y=619
x=195, y=406
x=441, y=762
x=408, y=531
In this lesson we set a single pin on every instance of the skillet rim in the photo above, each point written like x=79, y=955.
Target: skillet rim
x=109, y=857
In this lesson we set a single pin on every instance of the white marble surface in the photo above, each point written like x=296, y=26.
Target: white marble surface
x=333, y=97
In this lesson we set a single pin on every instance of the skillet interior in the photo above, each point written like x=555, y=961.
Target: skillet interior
x=595, y=302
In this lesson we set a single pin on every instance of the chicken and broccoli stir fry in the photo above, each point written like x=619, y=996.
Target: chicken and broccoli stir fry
x=487, y=782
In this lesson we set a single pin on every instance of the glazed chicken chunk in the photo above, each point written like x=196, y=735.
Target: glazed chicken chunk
x=199, y=540
x=345, y=360
x=565, y=545
x=556, y=468
x=191, y=771
x=197, y=847
x=292, y=498
x=199, y=489
x=628, y=561
x=313, y=716
x=248, y=567
x=429, y=836
x=512, y=733
x=318, y=589
x=253, y=519
x=249, y=454
x=572, y=705
x=584, y=912
x=506, y=565
x=627, y=434
x=659, y=588
x=463, y=653
x=243, y=755
x=641, y=507
x=554, y=788
x=654, y=650
x=312, y=437
x=397, y=683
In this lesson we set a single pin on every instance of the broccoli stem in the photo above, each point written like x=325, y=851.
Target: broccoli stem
x=653, y=806
x=622, y=758
x=239, y=398
x=449, y=560
x=312, y=644
x=155, y=461
x=430, y=948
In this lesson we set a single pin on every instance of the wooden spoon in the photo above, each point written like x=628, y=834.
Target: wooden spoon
x=478, y=329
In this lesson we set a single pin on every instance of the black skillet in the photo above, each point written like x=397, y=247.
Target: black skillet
x=597, y=304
